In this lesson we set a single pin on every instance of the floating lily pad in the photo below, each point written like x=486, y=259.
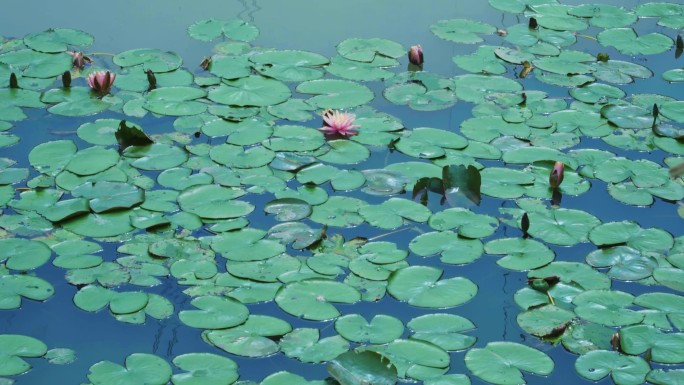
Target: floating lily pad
x=545, y=320
x=362, y=367
x=140, y=368
x=380, y=330
x=252, y=90
x=151, y=59
x=13, y=348
x=606, y=307
x=215, y=313
x=289, y=66
x=251, y=339
x=520, y=254
x=310, y=299
x=210, y=29
x=57, y=40
x=452, y=248
x=204, y=369
x=623, y=370
x=625, y=262
x=365, y=50
x=23, y=254
x=333, y=93
x=626, y=41
x=443, y=330
x=421, y=286
x=14, y=287
x=462, y=30
x=502, y=363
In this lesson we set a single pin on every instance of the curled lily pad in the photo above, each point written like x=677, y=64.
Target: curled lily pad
x=502, y=363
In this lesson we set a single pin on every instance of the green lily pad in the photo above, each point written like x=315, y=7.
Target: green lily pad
x=365, y=50
x=289, y=66
x=339, y=211
x=607, y=307
x=246, y=245
x=306, y=345
x=520, y=254
x=623, y=370
x=100, y=225
x=333, y=93
x=356, y=367
x=419, y=97
x=394, y=212
x=210, y=29
x=23, y=254
x=467, y=223
x=380, y=330
x=421, y=286
x=156, y=157
x=669, y=14
x=664, y=377
x=626, y=41
x=474, y=88
x=412, y=357
x=485, y=60
x=14, y=347
x=14, y=287
x=140, y=368
x=545, y=320
x=214, y=202
x=502, y=363
x=311, y=299
x=204, y=369
x=36, y=64
x=57, y=40
x=251, y=339
x=175, y=101
x=664, y=348
x=625, y=263
x=452, y=248
x=443, y=330
x=151, y=59
x=215, y=313
x=252, y=90
x=631, y=234
x=462, y=30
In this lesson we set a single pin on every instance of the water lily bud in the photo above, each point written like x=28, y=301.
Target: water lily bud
x=602, y=57
x=615, y=342
x=78, y=60
x=533, y=23
x=151, y=79
x=501, y=32
x=66, y=79
x=556, y=176
x=680, y=43
x=13, y=81
x=416, y=55
x=206, y=63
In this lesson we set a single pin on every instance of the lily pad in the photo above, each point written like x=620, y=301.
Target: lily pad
x=502, y=363
x=14, y=347
x=462, y=30
x=623, y=370
x=380, y=329
x=204, y=369
x=140, y=368
x=310, y=299
x=333, y=93
x=421, y=286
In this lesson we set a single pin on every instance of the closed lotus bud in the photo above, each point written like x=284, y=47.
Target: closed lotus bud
x=416, y=55
x=151, y=79
x=13, y=83
x=66, y=79
x=556, y=176
x=206, y=63
x=533, y=23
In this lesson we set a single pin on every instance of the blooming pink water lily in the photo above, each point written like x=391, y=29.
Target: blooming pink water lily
x=341, y=123
x=416, y=55
x=101, y=81
x=556, y=176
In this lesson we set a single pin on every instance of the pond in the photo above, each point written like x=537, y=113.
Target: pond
x=507, y=211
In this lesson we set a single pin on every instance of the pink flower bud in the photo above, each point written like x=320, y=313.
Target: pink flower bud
x=556, y=176
x=416, y=55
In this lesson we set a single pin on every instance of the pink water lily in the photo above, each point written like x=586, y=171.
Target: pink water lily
x=556, y=176
x=341, y=123
x=101, y=81
x=416, y=55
